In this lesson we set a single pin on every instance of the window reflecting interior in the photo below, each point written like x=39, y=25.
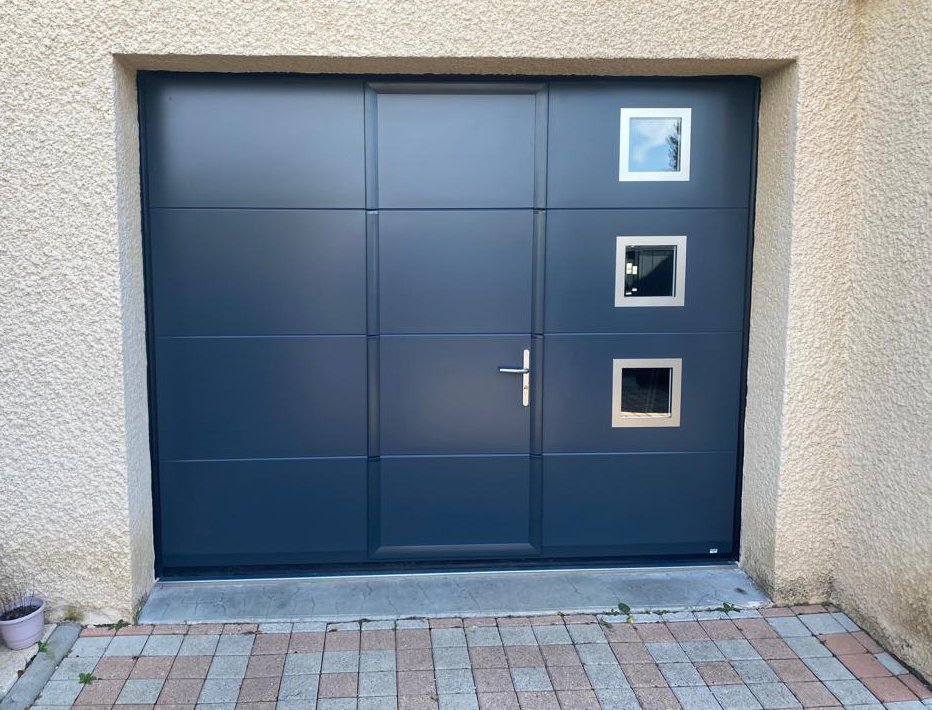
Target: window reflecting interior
x=645, y=391
x=650, y=271
x=654, y=145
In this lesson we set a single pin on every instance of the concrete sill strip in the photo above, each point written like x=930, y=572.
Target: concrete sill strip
x=389, y=596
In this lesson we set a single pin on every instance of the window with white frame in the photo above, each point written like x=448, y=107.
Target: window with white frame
x=646, y=392
x=650, y=271
x=655, y=144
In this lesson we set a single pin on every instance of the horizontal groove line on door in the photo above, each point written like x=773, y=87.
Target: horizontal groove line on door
x=636, y=453
x=361, y=457
x=530, y=208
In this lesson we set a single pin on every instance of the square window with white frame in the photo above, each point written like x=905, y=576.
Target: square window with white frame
x=646, y=392
x=650, y=271
x=655, y=144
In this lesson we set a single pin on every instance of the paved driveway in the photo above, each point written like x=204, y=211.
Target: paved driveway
x=778, y=658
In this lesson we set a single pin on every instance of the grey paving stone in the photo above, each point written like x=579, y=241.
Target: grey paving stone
x=592, y=654
x=530, y=679
x=162, y=645
x=606, y=676
x=60, y=692
x=735, y=697
x=702, y=651
x=344, y=626
x=483, y=636
x=552, y=635
x=289, y=705
x=586, y=633
x=216, y=706
x=340, y=662
x=710, y=615
x=646, y=618
x=228, y=667
x=828, y=669
x=451, y=657
x=234, y=645
x=667, y=652
x=696, y=698
x=459, y=701
x=199, y=645
x=808, y=647
x=126, y=646
x=336, y=704
x=788, y=626
x=517, y=636
x=299, y=687
x=383, y=625
x=69, y=668
x=744, y=614
x=846, y=623
x=755, y=672
x=890, y=663
x=411, y=624
x=275, y=628
x=679, y=616
x=383, y=702
x=738, y=650
x=617, y=699
x=822, y=623
x=303, y=663
x=774, y=696
x=89, y=646
x=140, y=692
x=851, y=692
x=681, y=674
x=220, y=690
x=906, y=705
x=445, y=638
x=377, y=661
x=454, y=681
x=303, y=627
x=377, y=683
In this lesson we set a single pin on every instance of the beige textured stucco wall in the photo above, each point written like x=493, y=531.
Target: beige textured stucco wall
x=883, y=569
x=75, y=503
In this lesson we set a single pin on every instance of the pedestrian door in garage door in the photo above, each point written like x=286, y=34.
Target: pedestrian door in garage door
x=402, y=322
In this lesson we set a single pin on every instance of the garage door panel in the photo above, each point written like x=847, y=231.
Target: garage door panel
x=646, y=504
x=582, y=270
x=450, y=150
x=578, y=389
x=445, y=395
x=258, y=272
x=261, y=397
x=453, y=507
x=585, y=141
x=254, y=141
x=227, y=513
x=455, y=271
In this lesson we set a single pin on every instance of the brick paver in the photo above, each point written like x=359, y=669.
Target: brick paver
x=810, y=656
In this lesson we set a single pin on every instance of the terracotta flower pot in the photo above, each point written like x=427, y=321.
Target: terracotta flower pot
x=26, y=630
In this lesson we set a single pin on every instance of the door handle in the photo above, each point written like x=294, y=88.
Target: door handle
x=525, y=372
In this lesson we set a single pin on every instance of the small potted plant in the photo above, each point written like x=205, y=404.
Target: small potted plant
x=22, y=614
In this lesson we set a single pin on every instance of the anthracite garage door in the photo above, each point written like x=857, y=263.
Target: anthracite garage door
x=400, y=321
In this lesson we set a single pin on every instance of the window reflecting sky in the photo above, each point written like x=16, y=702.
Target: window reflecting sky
x=654, y=145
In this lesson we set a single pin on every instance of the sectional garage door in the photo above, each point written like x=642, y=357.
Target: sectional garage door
x=420, y=323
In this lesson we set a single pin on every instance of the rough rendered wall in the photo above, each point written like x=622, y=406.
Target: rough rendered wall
x=74, y=496
x=883, y=571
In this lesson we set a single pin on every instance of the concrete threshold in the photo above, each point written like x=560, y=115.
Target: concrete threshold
x=450, y=594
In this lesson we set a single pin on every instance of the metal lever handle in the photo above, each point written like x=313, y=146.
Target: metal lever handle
x=525, y=373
